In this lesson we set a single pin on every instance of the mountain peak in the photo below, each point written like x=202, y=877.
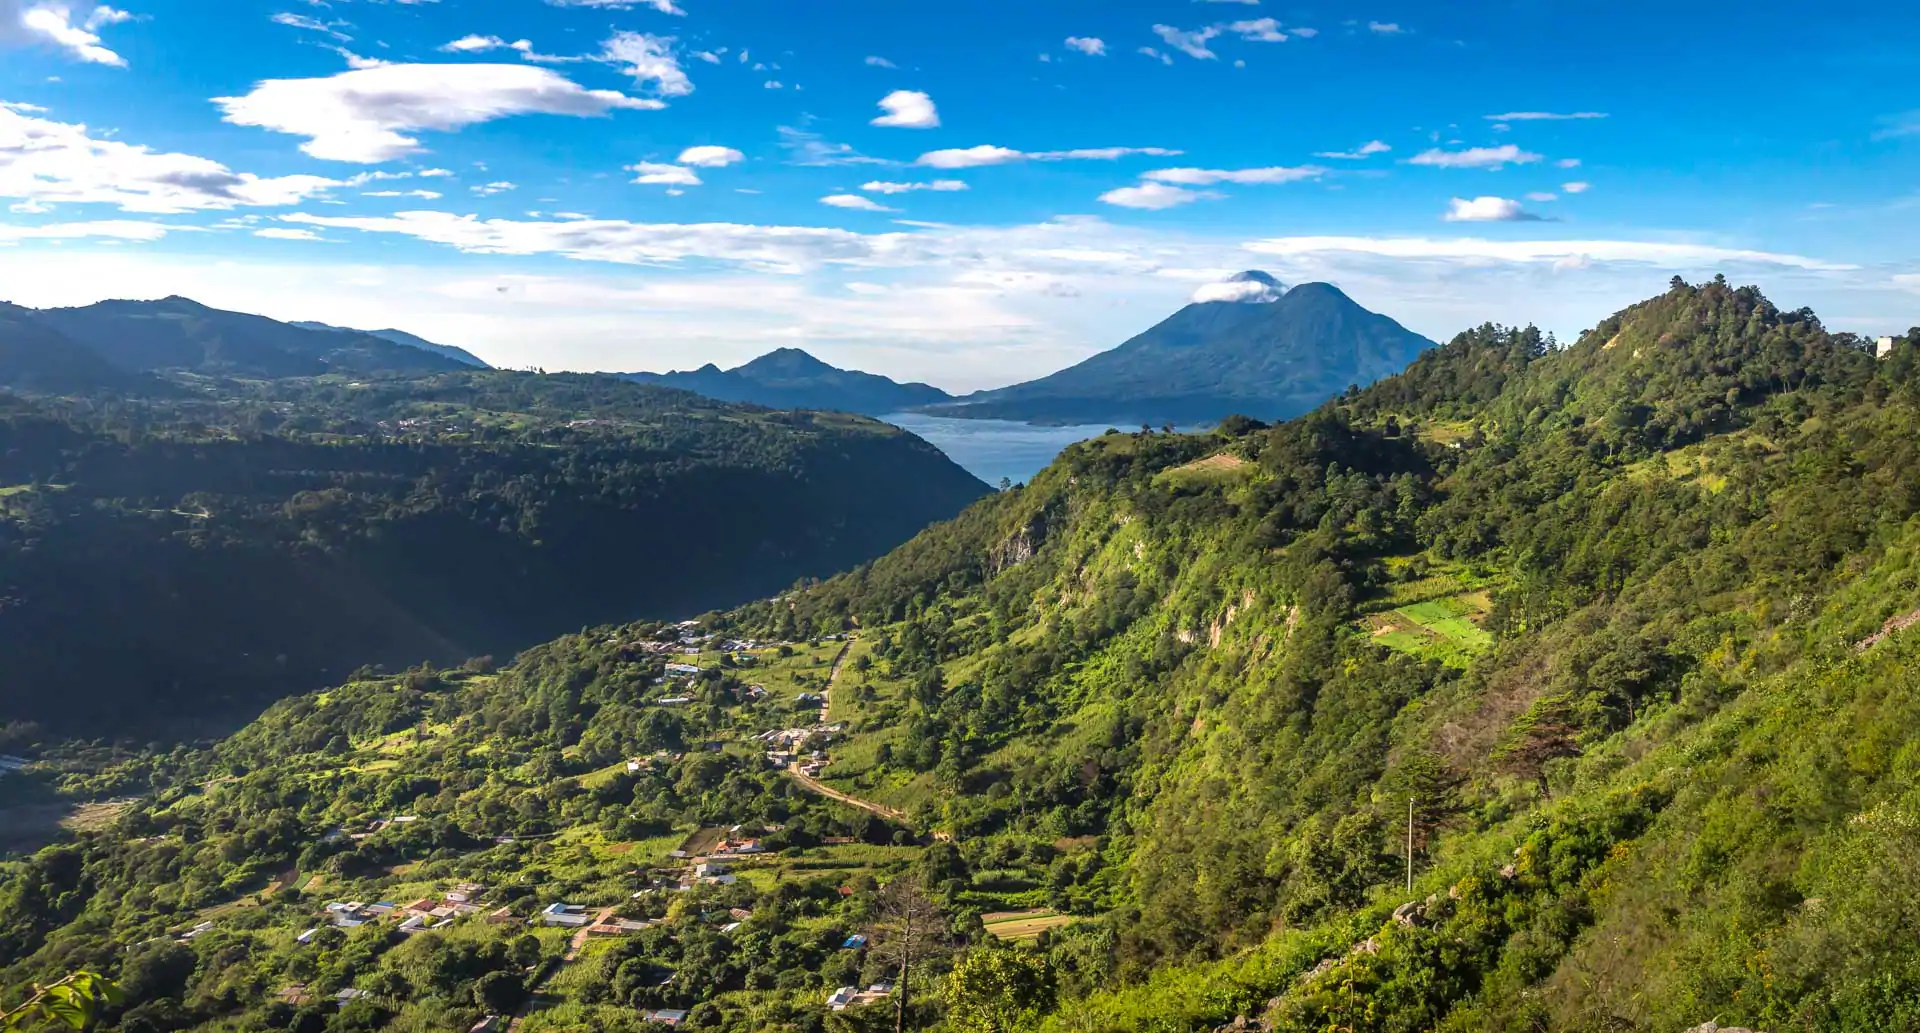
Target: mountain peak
x=789, y=361
x=1252, y=287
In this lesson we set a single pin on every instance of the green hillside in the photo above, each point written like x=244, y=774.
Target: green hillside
x=1617, y=635
x=199, y=554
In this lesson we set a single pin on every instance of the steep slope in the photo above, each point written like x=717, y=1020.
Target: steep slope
x=788, y=378
x=181, y=334
x=243, y=547
x=35, y=357
x=1563, y=602
x=1260, y=349
x=460, y=355
x=1622, y=636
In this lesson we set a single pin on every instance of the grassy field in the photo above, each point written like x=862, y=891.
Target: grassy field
x=1202, y=473
x=1436, y=614
x=1024, y=925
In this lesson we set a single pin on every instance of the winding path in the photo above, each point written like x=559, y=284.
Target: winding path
x=814, y=785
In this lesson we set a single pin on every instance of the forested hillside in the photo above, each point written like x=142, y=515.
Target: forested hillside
x=1617, y=635
x=227, y=542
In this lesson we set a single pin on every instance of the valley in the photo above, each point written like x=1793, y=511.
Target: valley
x=1606, y=650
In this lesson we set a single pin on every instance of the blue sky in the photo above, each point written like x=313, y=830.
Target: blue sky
x=968, y=194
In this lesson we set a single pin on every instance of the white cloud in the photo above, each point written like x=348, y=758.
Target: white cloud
x=855, y=202
x=1575, y=187
x=987, y=154
x=1365, y=150
x=434, y=173
x=648, y=59
x=1258, y=30
x=355, y=61
x=809, y=149
x=102, y=16
x=54, y=23
x=908, y=109
x=786, y=249
x=708, y=56
x=301, y=21
x=112, y=229
x=1474, y=249
x=474, y=44
x=1155, y=196
x=708, y=156
x=962, y=306
x=1543, y=116
x=425, y=195
x=774, y=84
x=490, y=189
x=1487, y=209
x=1242, y=292
x=663, y=6
x=366, y=115
x=1191, y=43
x=1475, y=157
x=1385, y=28
x=880, y=62
x=282, y=233
x=1092, y=46
x=1210, y=177
x=1164, y=59
x=49, y=162
x=1543, y=195
x=1568, y=163
x=938, y=185
x=658, y=174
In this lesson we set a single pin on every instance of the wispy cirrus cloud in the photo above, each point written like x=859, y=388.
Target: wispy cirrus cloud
x=1491, y=158
x=1545, y=116
x=805, y=147
x=46, y=162
x=1212, y=177
x=1191, y=42
x=663, y=6
x=1362, y=152
x=988, y=154
x=855, y=202
x=938, y=186
x=1539, y=251
x=1156, y=196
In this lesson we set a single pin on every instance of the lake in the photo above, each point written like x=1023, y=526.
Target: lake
x=992, y=449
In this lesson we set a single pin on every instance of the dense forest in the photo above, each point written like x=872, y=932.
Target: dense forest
x=199, y=548
x=1538, y=687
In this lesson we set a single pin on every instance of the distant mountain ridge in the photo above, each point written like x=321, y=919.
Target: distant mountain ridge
x=789, y=378
x=460, y=355
x=102, y=346
x=1248, y=345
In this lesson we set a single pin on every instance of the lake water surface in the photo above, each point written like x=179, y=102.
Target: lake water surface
x=992, y=449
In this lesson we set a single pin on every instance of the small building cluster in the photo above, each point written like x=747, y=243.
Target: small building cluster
x=852, y=996
x=573, y=916
x=425, y=913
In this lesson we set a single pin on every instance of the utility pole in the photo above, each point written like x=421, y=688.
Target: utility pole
x=1409, y=845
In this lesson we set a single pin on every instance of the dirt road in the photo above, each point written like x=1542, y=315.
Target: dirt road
x=814, y=785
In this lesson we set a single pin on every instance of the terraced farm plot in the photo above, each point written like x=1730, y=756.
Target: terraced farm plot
x=1446, y=629
x=1024, y=925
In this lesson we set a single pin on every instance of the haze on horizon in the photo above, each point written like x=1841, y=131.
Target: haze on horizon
x=964, y=195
